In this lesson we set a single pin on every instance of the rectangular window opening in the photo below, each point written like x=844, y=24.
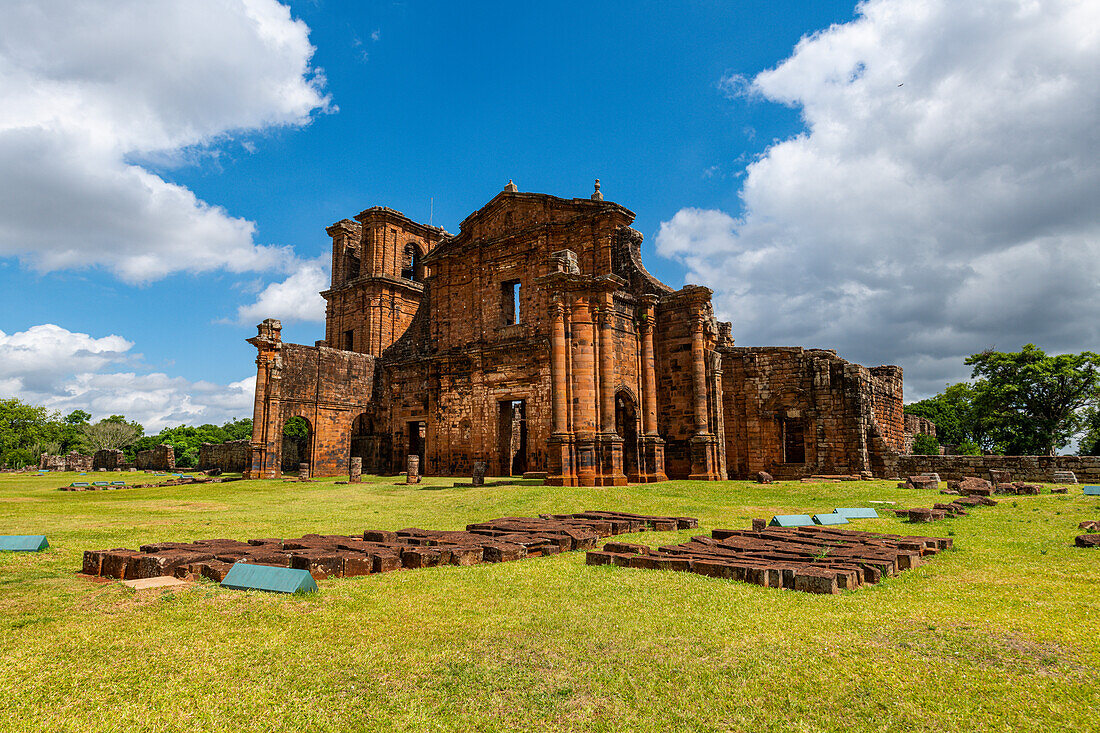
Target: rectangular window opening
x=349, y=340
x=509, y=301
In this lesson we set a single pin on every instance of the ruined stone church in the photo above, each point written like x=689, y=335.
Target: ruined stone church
x=536, y=340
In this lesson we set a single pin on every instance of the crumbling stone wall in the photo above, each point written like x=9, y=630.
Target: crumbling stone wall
x=914, y=426
x=329, y=388
x=109, y=459
x=71, y=461
x=796, y=412
x=160, y=458
x=1022, y=468
x=232, y=456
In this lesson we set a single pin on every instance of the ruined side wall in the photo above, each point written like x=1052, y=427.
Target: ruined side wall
x=768, y=390
x=1022, y=468
x=459, y=396
x=160, y=458
x=675, y=391
x=329, y=388
x=915, y=426
x=233, y=456
x=886, y=400
x=109, y=459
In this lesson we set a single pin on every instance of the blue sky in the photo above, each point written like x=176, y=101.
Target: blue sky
x=704, y=118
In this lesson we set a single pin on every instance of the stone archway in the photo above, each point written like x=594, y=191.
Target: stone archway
x=297, y=444
x=626, y=425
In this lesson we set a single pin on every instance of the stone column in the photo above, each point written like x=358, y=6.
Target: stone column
x=649, y=372
x=303, y=472
x=653, y=446
x=703, y=442
x=584, y=391
x=699, y=376
x=267, y=438
x=611, y=443
x=355, y=471
x=412, y=469
x=558, y=356
x=561, y=470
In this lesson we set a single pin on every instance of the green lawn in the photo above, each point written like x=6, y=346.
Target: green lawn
x=1000, y=634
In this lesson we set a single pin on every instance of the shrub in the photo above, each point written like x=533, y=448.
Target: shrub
x=925, y=445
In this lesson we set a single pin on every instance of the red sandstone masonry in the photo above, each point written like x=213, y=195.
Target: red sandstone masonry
x=622, y=378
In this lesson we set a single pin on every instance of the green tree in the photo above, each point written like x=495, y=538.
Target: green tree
x=1034, y=403
x=22, y=427
x=78, y=417
x=1089, y=444
x=111, y=433
x=958, y=419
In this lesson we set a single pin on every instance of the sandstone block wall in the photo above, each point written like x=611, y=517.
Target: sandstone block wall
x=773, y=395
x=1023, y=468
x=71, y=461
x=160, y=458
x=229, y=457
x=109, y=459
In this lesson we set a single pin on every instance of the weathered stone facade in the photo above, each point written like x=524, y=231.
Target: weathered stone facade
x=535, y=340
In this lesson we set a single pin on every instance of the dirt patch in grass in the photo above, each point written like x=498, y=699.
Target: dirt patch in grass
x=966, y=644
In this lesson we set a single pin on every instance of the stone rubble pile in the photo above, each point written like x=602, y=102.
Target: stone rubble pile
x=377, y=551
x=811, y=559
x=1092, y=538
x=939, y=511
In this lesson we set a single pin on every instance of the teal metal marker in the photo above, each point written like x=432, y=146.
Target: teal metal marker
x=791, y=520
x=23, y=542
x=248, y=576
x=857, y=513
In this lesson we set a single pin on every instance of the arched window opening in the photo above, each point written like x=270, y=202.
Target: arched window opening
x=410, y=268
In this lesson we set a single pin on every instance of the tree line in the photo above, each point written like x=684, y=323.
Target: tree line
x=27, y=431
x=1017, y=403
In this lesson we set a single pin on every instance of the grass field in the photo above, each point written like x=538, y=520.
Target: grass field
x=1000, y=634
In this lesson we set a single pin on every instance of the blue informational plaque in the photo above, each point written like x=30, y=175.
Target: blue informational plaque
x=791, y=520
x=857, y=513
x=247, y=576
x=23, y=542
x=1092, y=490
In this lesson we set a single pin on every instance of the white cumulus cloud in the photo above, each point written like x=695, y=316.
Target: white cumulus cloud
x=944, y=197
x=297, y=298
x=89, y=90
x=64, y=370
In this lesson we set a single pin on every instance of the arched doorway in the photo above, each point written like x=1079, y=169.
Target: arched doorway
x=297, y=441
x=626, y=425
